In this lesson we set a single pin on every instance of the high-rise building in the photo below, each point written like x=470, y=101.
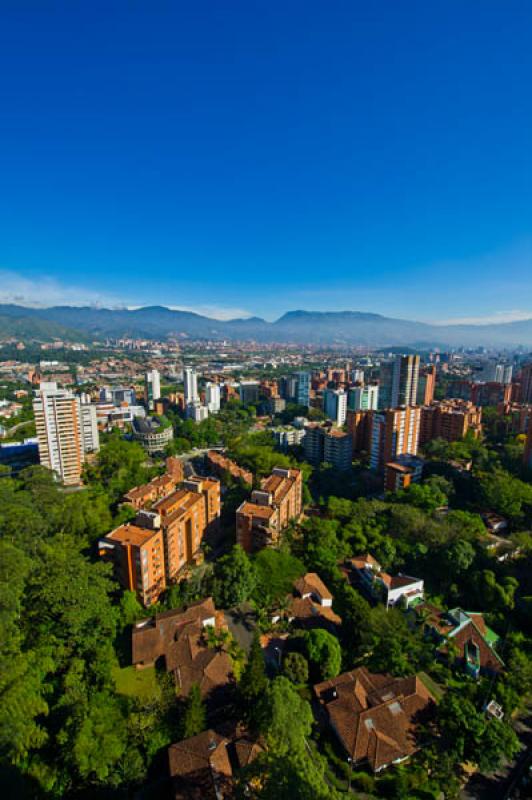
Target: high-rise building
x=359, y=427
x=249, y=392
x=394, y=432
x=338, y=448
x=212, y=397
x=190, y=379
x=526, y=383
x=63, y=439
x=405, y=381
x=313, y=443
x=152, y=387
x=302, y=388
x=88, y=423
x=335, y=405
x=363, y=398
x=386, y=371
x=426, y=385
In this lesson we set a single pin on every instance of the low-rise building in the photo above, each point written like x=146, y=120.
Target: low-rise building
x=261, y=520
x=310, y=605
x=375, y=716
x=366, y=572
x=402, y=473
x=220, y=465
x=153, y=433
x=178, y=639
x=473, y=641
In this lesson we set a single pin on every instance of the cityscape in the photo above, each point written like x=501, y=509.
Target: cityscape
x=265, y=400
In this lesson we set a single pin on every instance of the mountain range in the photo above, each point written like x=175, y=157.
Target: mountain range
x=300, y=327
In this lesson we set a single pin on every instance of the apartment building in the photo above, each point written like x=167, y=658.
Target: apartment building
x=165, y=537
x=153, y=433
x=220, y=465
x=260, y=521
x=359, y=427
x=405, y=381
x=526, y=383
x=66, y=431
x=394, y=433
x=363, y=398
x=152, y=387
x=190, y=380
x=402, y=473
x=426, y=385
x=212, y=397
x=450, y=420
x=137, y=554
x=335, y=405
x=302, y=388
x=337, y=448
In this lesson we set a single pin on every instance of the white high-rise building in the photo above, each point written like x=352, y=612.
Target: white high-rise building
x=64, y=431
x=190, y=379
x=363, y=398
x=335, y=405
x=152, y=388
x=88, y=422
x=212, y=397
x=404, y=381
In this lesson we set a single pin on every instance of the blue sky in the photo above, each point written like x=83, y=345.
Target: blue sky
x=255, y=157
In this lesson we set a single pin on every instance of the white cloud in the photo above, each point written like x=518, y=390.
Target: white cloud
x=488, y=319
x=46, y=291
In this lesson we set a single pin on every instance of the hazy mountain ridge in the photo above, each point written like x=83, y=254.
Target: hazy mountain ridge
x=306, y=327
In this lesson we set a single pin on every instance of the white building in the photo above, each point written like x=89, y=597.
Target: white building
x=152, y=389
x=212, y=397
x=363, y=398
x=335, y=405
x=89, y=428
x=190, y=380
x=64, y=432
x=196, y=411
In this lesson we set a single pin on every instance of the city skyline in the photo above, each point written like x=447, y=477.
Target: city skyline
x=234, y=163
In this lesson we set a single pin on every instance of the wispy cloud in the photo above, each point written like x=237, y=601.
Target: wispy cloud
x=216, y=312
x=488, y=319
x=46, y=291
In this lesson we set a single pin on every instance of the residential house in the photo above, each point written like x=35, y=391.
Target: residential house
x=467, y=634
x=178, y=638
x=375, y=716
x=310, y=605
x=392, y=589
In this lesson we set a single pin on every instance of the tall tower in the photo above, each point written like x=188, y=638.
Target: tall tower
x=57, y=421
x=405, y=380
x=190, y=379
x=152, y=387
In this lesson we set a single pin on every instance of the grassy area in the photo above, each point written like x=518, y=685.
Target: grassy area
x=136, y=683
x=431, y=685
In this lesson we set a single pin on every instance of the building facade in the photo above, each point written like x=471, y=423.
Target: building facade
x=450, y=420
x=394, y=433
x=405, y=381
x=335, y=405
x=261, y=520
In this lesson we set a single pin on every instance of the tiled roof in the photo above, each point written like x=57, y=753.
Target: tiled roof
x=312, y=583
x=375, y=716
x=200, y=767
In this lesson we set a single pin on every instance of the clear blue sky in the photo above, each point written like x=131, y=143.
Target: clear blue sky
x=266, y=156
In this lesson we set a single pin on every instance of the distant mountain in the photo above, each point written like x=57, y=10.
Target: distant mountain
x=305, y=327
x=29, y=327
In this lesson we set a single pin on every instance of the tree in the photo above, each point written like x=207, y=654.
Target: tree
x=323, y=652
x=295, y=667
x=276, y=571
x=194, y=718
x=253, y=682
x=284, y=718
x=234, y=578
x=101, y=738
